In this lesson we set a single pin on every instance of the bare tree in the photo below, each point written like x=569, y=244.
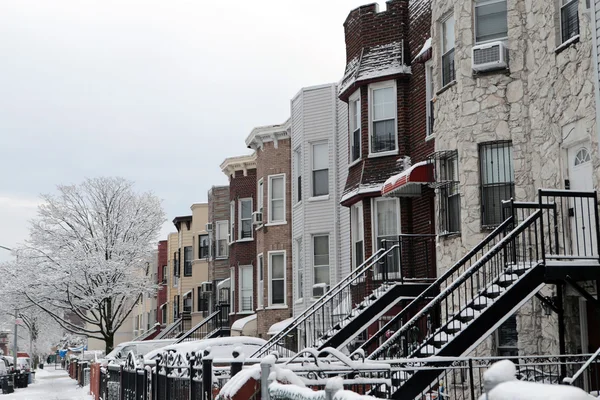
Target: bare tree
x=86, y=260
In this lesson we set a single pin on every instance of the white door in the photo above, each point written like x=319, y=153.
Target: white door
x=583, y=229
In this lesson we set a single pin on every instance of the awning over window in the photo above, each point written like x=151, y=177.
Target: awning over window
x=408, y=183
x=189, y=292
x=279, y=326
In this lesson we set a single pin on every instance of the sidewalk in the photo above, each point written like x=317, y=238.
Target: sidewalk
x=50, y=384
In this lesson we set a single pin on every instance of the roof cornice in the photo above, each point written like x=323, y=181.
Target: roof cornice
x=239, y=163
x=268, y=133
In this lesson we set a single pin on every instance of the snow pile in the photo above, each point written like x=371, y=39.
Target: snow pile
x=277, y=391
x=236, y=382
x=500, y=383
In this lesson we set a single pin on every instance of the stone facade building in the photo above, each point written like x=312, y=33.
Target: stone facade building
x=273, y=236
x=508, y=131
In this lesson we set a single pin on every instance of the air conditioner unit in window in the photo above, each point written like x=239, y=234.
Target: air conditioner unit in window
x=209, y=227
x=490, y=56
x=320, y=289
x=257, y=218
x=207, y=286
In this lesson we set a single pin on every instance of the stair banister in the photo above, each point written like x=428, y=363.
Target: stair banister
x=462, y=278
x=569, y=381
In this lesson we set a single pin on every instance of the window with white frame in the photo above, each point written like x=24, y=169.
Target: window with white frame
x=245, y=223
x=187, y=302
x=383, y=118
x=448, y=71
x=569, y=19
x=320, y=264
x=490, y=20
x=299, y=269
x=233, y=289
x=387, y=227
x=260, y=289
x=232, y=219
x=187, y=260
x=246, y=288
x=497, y=180
x=429, y=98
x=277, y=278
x=320, y=169
x=260, y=196
x=276, y=198
x=222, y=236
x=354, y=119
x=298, y=172
x=358, y=234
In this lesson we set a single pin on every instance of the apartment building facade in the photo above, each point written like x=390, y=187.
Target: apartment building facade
x=162, y=282
x=503, y=129
x=320, y=225
x=218, y=266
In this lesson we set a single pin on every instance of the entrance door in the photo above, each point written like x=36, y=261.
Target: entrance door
x=583, y=229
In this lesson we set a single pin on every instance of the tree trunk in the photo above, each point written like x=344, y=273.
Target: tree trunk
x=109, y=340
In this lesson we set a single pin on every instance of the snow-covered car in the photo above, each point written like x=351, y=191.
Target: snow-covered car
x=139, y=349
x=24, y=364
x=219, y=347
x=8, y=361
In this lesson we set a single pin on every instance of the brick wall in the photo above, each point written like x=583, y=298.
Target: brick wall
x=271, y=161
x=162, y=291
x=242, y=252
x=218, y=210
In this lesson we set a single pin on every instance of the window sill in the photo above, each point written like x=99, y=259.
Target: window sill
x=259, y=227
x=277, y=307
x=259, y=309
x=430, y=137
x=566, y=44
x=276, y=223
x=245, y=240
x=355, y=162
x=448, y=86
x=187, y=276
x=222, y=258
x=245, y=312
x=318, y=198
x=384, y=154
x=232, y=313
x=451, y=235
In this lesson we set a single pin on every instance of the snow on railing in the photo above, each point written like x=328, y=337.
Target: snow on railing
x=584, y=367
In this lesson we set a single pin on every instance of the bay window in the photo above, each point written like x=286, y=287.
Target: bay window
x=320, y=169
x=277, y=289
x=354, y=119
x=383, y=111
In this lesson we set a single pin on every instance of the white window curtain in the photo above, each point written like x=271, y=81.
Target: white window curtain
x=383, y=137
x=277, y=266
x=246, y=288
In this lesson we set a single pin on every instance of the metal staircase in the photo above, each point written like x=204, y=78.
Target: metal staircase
x=215, y=325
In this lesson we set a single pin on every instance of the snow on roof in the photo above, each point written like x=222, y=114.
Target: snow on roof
x=394, y=178
x=361, y=189
x=375, y=62
x=220, y=347
x=224, y=283
x=186, y=293
x=279, y=326
x=240, y=323
x=426, y=47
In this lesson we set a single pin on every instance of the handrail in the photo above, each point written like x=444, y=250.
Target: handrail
x=337, y=288
x=462, y=278
x=431, y=290
x=144, y=335
x=569, y=381
x=170, y=329
x=198, y=326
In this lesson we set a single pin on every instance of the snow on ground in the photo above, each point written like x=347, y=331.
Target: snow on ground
x=50, y=384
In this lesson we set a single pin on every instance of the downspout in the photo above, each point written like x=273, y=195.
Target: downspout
x=336, y=214
x=595, y=61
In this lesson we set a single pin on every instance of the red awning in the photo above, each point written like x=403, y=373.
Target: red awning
x=408, y=183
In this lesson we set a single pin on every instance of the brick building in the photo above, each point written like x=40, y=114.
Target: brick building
x=273, y=235
x=384, y=85
x=241, y=172
x=218, y=267
x=161, y=280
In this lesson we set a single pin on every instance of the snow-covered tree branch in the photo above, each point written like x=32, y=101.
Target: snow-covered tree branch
x=86, y=261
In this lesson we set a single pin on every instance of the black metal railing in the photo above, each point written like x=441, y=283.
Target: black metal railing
x=215, y=324
x=329, y=310
x=178, y=328
x=442, y=283
x=414, y=257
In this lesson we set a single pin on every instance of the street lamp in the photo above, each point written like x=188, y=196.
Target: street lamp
x=16, y=317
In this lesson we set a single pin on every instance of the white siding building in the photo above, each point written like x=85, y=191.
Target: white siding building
x=320, y=225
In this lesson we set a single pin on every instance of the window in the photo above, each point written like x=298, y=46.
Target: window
x=260, y=196
x=490, y=20
x=448, y=72
x=187, y=261
x=277, y=278
x=383, y=118
x=222, y=239
x=299, y=269
x=497, y=180
x=354, y=116
x=203, y=246
x=320, y=264
x=187, y=303
x=582, y=156
x=245, y=214
x=176, y=307
x=232, y=219
x=298, y=174
x=233, y=289
x=508, y=338
x=387, y=227
x=165, y=273
x=449, y=196
x=429, y=98
x=358, y=234
x=320, y=169
x=176, y=271
x=260, y=290
x=569, y=19
x=163, y=315
x=246, y=292
x=203, y=298
x=277, y=198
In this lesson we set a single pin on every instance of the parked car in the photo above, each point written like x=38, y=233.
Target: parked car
x=8, y=361
x=139, y=349
x=24, y=364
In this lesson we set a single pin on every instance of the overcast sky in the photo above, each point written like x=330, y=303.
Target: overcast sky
x=159, y=92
